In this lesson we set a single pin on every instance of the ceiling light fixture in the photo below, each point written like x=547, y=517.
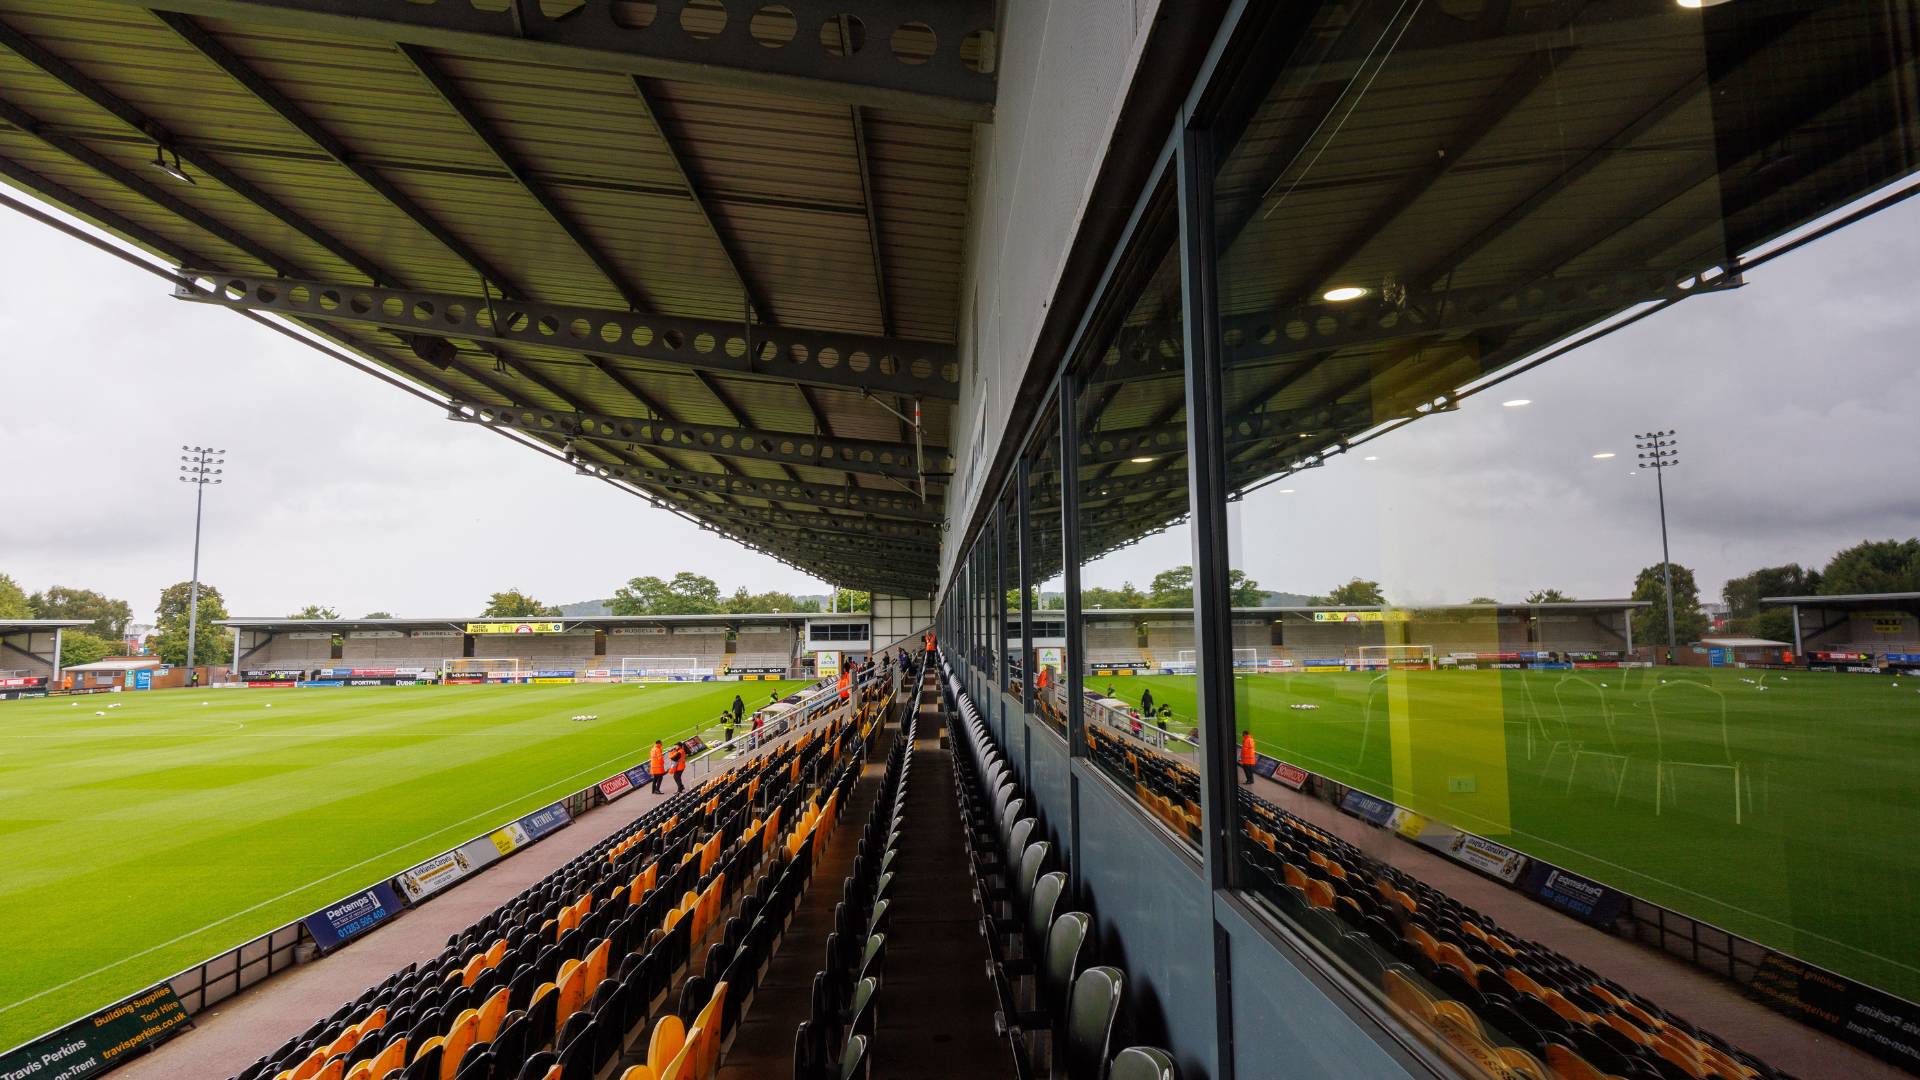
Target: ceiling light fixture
x=1517, y=402
x=1140, y=460
x=1699, y=3
x=1286, y=491
x=1346, y=293
x=175, y=170
x=1370, y=459
x=1603, y=455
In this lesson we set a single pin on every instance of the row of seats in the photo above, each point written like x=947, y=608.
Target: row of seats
x=835, y=1043
x=1058, y=1010
x=1167, y=789
x=572, y=973
x=1488, y=992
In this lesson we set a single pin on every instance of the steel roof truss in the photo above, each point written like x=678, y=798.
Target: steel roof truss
x=819, y=357
x=684, y=43
x=783, y=448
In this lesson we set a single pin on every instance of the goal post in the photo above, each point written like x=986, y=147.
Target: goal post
x=1396, y=657
x=496, y=667
x=655, y=667
x=1244, y=659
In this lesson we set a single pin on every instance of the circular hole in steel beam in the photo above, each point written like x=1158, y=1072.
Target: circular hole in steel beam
x=914, y=43
x=843, y=35
x=703, y=19
x=773, y=26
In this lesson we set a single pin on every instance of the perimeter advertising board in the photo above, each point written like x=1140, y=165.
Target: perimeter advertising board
x=1572, y=893
x=427, y=878
x=514, y=628
x=1879, y=1023
x=349, y=917
x=99, y=1043
x=1366, y=807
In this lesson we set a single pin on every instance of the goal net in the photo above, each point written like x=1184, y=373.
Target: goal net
x=1396, y=657
x=638, y=667
x=1185, y=660
x=496, y=668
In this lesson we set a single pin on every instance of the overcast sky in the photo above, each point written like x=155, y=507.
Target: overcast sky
x=339, y=490
x=1797, y=398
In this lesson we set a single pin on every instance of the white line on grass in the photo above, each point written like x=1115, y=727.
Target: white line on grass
x=311, y=884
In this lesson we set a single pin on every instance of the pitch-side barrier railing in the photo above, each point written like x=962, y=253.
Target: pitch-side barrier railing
x=226, y=973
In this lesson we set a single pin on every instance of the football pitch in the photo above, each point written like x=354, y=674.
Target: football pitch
x=1822, y=863
x=184, y=822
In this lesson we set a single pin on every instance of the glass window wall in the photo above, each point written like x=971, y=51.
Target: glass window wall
x=1045, y=653
x=1499, y=628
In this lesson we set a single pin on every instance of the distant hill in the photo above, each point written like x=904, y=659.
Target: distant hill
x=1287, y=599
x=586, y=607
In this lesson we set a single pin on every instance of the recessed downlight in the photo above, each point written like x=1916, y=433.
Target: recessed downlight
x=1347, y=292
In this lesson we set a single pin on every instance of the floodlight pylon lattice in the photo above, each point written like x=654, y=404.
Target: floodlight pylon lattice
x=1657, y=453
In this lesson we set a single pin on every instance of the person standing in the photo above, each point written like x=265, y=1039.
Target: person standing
x=657, y=766
x=1146, y=701
x=679, y=768
x=739, y=709
x=758, y=722
x=1247, y=756
x=727, y=721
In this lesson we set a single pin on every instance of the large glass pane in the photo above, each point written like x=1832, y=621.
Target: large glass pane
x=1012, y=670
x=1449, y=550
x=1045, y=653
x=1136, y=582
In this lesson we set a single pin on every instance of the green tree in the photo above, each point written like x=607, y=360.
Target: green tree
x=13, y=600
x=1873, y=566
x=211, y=643
x=109, y=616
x=1125, y=597
x=1650, y=623
x=1483, y=600
x=315, y=611
x=1549, y=596
x=514, y=604
x=378, y=615
x=849, y=600
x=1747, y=615
x=1355, y=593
x=743, y=602
x=687, y=594
x=808, y=605
x=1245, y=591
x=1171, y=588
x=77, y=646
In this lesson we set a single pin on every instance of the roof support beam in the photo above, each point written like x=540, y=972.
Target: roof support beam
x=69, y=76
x=84, y=207
x=272, y=98
x=443, y=85
x=876, y=501
x=729, y=244
x=911, y=535
x=873, y=222
x=599, y=35
x=781, y=448
x=819, y=357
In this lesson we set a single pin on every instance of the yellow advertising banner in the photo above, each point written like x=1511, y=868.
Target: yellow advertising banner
x=513, y=628
x=1360, y=616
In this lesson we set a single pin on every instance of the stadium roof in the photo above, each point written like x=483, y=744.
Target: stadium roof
x=1744, y=642
x=1570, y=605
x=21, y=626
x=122, y=663
x=715, y=261
x=572, y=621
x=1846, y=600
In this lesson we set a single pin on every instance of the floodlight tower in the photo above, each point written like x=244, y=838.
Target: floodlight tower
x=1658, y=454
x=197, y=470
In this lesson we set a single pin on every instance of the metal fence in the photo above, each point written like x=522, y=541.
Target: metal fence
x=218, y=978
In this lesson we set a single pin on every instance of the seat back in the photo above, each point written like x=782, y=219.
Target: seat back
x=1016, y=838
x=1065, y=956
x=853, y=1059
x=1031, y=863
x=1092, y=1008
x=1040, y=908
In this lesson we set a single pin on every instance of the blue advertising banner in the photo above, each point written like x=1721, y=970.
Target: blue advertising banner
x=143, y=679
x=1366, y=807
x=1572, y=893
x=639, y=774
x=346, y=919
x=1264, y=765
x=544, y=821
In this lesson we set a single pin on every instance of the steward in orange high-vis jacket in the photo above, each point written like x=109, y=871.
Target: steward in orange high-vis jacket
x=657, y=766
x=1247, y=757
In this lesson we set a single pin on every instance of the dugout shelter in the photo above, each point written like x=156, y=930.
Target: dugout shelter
x=1880, y=630
x=30, y=654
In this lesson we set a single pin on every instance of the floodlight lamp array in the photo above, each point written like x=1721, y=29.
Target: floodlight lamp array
x=1658, y=449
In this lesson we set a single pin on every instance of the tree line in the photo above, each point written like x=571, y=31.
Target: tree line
x=106, y=632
